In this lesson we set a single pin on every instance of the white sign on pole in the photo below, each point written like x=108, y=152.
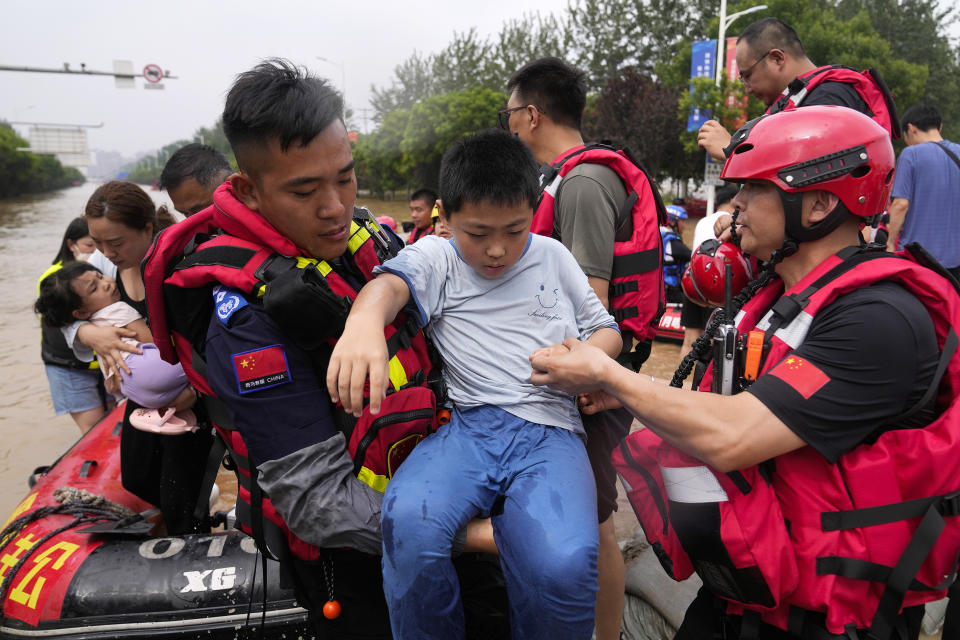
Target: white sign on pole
x=711, y=173
x=123, y=68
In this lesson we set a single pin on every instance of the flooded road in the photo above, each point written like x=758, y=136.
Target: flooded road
x=32, y=435
x=30, y=232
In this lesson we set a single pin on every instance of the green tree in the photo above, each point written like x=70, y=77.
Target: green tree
x=412, y=81
x=439, y=121
x=22, y=172
x=613, y=116
x=522, y=40
x=917, y=32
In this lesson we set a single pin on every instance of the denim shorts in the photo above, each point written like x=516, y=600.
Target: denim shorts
x=74, y=390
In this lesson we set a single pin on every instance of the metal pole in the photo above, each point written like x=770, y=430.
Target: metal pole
x=721, y=45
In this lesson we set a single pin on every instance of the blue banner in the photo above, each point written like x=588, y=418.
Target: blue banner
x=701, y=66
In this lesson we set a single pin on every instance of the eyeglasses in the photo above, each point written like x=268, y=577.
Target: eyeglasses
x=746, y=73
x=503, y=116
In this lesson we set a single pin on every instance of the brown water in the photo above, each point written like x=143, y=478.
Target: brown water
x=32, y=435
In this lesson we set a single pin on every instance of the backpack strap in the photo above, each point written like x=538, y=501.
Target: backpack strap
x=952, y=155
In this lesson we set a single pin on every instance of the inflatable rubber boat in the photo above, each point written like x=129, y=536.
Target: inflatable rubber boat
x=78, y=560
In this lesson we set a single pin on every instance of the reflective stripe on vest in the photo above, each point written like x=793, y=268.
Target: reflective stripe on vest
x=692, y=485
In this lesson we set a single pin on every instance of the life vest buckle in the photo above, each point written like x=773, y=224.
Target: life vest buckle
x=950, y=504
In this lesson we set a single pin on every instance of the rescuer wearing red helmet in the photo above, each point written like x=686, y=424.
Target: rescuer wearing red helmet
x=818, y=504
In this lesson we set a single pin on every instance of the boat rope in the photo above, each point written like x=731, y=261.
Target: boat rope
x=85, y=507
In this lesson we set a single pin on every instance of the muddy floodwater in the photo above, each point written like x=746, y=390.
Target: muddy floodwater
x=32, y=435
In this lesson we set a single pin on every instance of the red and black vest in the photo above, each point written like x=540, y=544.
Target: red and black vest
x=418, y=233
x=230, y=245
x=636, y=282
x=869, y=85
x=853, y=542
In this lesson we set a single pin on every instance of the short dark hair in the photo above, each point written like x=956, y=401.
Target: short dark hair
x=923, y=117
x=726, y=193
x=771, y=33
x=75, y=230
x=278, y=100
x=201, y=162
x=427, y=195
x=58, y=300
x=553, y=86
x=491, y=166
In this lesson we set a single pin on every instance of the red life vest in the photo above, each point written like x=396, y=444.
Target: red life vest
x=418, y=233
x=180, y=269
x=869, y=85
x=853, y=541
x=637, y=297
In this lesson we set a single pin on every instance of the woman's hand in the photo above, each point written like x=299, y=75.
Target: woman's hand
x=108, y=343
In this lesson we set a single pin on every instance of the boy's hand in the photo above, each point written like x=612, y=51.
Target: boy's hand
x=360, y=352
x=597, y=401
x=552, y=350
x=579, y=370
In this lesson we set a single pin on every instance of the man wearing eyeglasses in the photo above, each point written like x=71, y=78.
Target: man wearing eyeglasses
x=547, y=98
x=774, y=67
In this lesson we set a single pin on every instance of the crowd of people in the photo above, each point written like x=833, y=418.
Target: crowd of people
x=497, y=354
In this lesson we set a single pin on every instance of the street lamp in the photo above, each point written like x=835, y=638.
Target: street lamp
x=720, y=67
x=343, y=75
x=726, y=21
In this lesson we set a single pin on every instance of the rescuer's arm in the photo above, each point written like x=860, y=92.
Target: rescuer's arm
x=601, y=287
x=283, y=412
x=362, y=349
x=713, y=138
x=898, y=214
x=726, y=432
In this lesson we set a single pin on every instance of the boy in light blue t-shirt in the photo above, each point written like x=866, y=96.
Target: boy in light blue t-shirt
x=492, y=295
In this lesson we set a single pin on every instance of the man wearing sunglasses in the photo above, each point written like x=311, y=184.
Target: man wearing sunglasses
x=774, y=68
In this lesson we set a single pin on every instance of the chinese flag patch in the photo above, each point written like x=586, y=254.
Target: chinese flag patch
x=805, y=378
x=261, y=368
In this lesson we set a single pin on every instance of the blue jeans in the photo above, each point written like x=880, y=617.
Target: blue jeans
x=546, y=532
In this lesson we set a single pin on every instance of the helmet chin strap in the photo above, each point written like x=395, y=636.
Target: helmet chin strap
x=795, y=232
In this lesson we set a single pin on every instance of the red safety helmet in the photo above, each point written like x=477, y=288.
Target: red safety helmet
x=388, y=221
x=828, y=148
x=703, y=280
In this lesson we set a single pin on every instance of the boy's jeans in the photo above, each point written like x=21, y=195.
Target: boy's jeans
x=536, y=481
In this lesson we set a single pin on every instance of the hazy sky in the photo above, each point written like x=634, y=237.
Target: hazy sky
x=205, y=44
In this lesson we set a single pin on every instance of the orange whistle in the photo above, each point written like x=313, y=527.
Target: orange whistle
x=751, y=365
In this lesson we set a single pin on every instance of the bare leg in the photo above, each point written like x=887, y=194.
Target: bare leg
x=185, y=399
x=611, y=579
x=86, y=419
x=480, y=537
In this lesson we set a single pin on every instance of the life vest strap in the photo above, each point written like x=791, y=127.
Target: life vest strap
x=619, y=315
x=620, y=288
x=635, y=359
x=856, y=569
x=634, y=263
x=947, y=505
